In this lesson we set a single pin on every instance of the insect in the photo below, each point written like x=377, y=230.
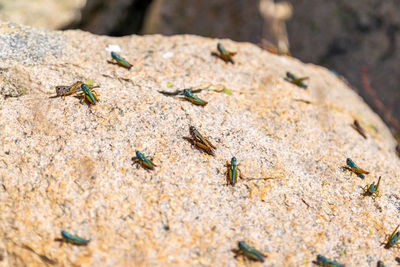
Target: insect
x=72, y=239
x=120, y=60
x=372, y=189
x=232, y=171
x=295, y=80
x=356, y=126
x=380, y=264
x=198, y=90
x=249, y=252
x=224, y=54
x=181, y=92
x=198, y=140
x=354, y=168
x=192, y=98
x=89, y=95
x=393, y=238
x=323, y=261
x=64, y=90
x=146, y=163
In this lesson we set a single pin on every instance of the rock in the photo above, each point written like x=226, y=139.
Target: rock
x=241, y=21
x=261, y=22
x=348, y=36
x=112, y=17
x=68, y=165
x=41, y=13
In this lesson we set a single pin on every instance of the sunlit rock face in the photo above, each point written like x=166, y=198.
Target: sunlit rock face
x=67, y=164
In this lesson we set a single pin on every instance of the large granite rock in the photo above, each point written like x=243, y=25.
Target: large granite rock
x=67, y=165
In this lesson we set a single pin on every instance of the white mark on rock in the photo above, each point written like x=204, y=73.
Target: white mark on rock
x=168, y=55
x=114, y=48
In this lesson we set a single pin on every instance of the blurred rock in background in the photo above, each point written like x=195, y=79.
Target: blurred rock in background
x=239, y=20
x=47, y=14
x=274, y=27
x=261, y=22
x=112, y=17
x=359, y=39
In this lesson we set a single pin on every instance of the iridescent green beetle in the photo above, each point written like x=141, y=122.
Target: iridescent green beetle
x=372, y=189
x=72, y=239
x=233, y=171
x=146, y=163
x=290, y=77
x=354, y=168
x=89, y=95
x=392, y=240
x=120, y=60
x=249, y=252
x=192, y=98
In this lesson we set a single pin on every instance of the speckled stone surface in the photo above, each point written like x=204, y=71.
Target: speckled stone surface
x=67, y=165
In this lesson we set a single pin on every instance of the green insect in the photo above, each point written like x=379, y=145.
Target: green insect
x=290, y=77
x=380, y=264
x=198, y=140
x=372, y=189
x=146, y=163
x=179, y=92
x=120, y=60
x=192, y=98
x=72, y=239
x=325, y=262
x=392, y=240
x=249, y=252
x=354, y=168
x=224, y=54
x=89, y=95
x=233, y=171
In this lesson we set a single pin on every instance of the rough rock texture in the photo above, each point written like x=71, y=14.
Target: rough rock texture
x=48, y=14
x=347, y=35
x=67, y=165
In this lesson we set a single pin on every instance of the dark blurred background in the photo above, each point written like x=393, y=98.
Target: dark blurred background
x=358, y=39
